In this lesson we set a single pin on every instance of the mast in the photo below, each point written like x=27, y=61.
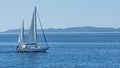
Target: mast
x=21, y=36
x=23, y=31
x=35, y=26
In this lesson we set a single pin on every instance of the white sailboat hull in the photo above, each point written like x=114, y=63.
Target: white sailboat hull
x=32, y=49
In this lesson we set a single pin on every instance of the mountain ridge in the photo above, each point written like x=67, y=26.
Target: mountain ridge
x=72, y=29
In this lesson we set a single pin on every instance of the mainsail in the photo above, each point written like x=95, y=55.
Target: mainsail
x=32, y=39
x=21, y=36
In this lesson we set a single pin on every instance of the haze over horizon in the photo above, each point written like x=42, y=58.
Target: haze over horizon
x=60, y=13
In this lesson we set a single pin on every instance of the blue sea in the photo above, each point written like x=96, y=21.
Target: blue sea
x=67, y=50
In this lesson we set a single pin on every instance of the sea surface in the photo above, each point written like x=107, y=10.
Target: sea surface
x=67, y=50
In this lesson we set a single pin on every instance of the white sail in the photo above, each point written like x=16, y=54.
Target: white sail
x=21, y=36
x=33, y=29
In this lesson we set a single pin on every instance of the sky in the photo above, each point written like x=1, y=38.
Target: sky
x=60, y=13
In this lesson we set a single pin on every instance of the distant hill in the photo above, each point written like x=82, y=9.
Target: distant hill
x=72, y=29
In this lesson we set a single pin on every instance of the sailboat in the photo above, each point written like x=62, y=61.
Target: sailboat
x=31, y=45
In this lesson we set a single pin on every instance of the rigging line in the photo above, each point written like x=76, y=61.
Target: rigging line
x=42, y=29
x=23, y=31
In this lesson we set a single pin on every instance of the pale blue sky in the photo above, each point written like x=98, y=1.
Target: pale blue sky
x=60, y=13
